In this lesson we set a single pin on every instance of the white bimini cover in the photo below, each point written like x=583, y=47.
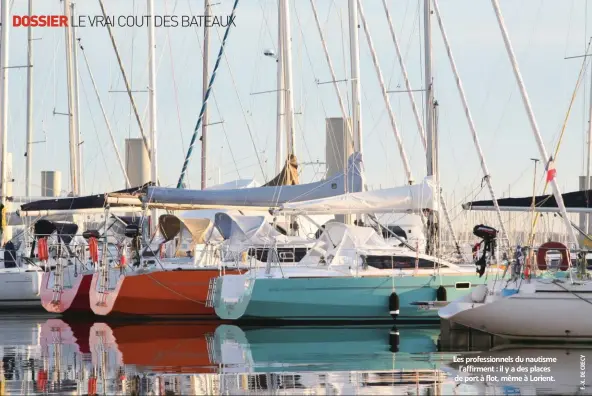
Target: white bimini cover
x=412, y=198
x=341, y=244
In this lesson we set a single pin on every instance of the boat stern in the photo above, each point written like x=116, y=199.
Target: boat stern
x=232, y=294
x=454, y=311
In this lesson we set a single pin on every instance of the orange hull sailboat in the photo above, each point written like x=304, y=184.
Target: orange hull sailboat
x=170, y=293
x=154, y=287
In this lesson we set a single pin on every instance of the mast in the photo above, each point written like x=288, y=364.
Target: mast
x=533, y=123
x=71, y=105
x=205, y=68
x=29, y=139
x=289, y=87
x=152, y=103
x=431, y=136
x=354, y=42
x=429, y=91
x=205, y=101
x=279, y=141
x=76, y=113
x=4, y=35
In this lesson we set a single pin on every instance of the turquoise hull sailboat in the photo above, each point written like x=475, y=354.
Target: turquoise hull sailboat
x=350, y=274
x=340, y=298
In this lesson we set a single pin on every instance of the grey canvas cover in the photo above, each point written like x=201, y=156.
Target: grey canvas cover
x=261, y=197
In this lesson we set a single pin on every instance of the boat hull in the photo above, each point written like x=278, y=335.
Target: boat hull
x=552, y=314
x=19, y=289
x=73, y=299
x=335, y=298
x=163, y=293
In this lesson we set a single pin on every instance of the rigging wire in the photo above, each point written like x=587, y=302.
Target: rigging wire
x=205, y=101
x=563, y=128
x=127, y=84
x=175, y=88
x=92, y=79
x=215, y=98
x=244, y=113
x=96, y=133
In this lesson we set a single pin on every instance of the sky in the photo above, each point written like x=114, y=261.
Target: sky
x=242, y=139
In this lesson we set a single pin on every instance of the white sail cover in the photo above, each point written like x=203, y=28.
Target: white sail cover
x=412, y=198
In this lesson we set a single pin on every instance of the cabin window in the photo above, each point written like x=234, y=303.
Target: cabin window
x=398, y=262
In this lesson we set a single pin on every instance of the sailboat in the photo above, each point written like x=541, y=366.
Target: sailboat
x=170, y=288
x=522, y=307
x=19, y=281
x=554, y=283
x=64, y=251
x=351, y=273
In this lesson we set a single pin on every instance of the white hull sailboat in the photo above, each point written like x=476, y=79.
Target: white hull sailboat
x=543, y=309
x=19, y=287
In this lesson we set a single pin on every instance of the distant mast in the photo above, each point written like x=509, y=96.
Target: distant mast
x=288, y=83
x=76, y=101
x=354, y=42
x=354, y=52
x=29, y=138
x=4, y=110
x=152, y=105
x=280, y=160
x=431, y=135
x=204, y=125
x=74, y=182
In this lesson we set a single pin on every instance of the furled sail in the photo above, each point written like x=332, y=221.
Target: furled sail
x=262, y=198
x=410, y=198
x=288, y=175
x=575, y=202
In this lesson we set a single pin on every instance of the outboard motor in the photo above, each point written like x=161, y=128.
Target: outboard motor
x=488, y=237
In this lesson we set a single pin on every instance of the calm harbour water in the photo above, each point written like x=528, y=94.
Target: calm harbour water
x=45, y=355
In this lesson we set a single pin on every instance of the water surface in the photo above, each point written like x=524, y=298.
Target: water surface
x=49, y=355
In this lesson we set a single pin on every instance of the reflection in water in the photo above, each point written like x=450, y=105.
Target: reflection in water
x=41, y=356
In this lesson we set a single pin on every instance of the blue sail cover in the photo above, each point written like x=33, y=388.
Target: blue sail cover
x=263, y=197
